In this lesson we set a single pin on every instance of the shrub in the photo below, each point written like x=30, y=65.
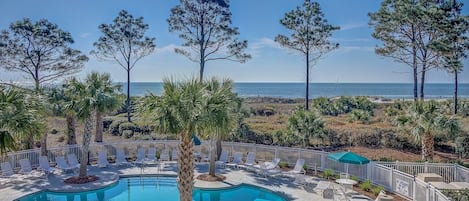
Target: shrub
x=328, y=173
x=128, y=126
x=114, y=127
x=376, y=190
x=366, y=185
x=107, y=123
x=367, y=138
x=363, y=116
x=363, y=103
x=462, y=146
x=54, y=131
x=283, y=164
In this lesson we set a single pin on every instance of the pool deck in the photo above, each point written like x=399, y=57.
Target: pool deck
x=21, y=185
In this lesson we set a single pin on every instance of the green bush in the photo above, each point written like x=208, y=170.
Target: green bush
x=363, y=103
x=362, y=116
x=457, y=195
x=125, y=127
x=114, y=127
x=354, y=178
x=328, y=173
x=462, y=146
x=366, y=185
x=376, y=190
x=283, y=164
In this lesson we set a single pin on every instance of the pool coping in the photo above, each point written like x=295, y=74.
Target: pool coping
x=123, y=176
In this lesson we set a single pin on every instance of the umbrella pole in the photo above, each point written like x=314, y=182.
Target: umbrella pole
x=346, y=170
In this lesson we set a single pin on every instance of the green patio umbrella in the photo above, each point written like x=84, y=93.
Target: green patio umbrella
x=348, y=157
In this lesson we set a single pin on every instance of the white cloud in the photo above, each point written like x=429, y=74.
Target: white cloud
x=351, y=26
x=85, y=35
x=166, y=49
x=346, y=49
x=265, y=43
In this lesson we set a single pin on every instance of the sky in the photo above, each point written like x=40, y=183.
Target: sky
x=258, y=23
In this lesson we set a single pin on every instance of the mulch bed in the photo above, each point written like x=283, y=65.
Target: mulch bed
x=81, y=180
x=207, y=177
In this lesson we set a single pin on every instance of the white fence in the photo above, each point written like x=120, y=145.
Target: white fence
x=397, y=177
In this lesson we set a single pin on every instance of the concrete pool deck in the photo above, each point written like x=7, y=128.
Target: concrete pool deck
x=19, y=186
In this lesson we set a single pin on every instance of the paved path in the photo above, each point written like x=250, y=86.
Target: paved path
x=22, y=185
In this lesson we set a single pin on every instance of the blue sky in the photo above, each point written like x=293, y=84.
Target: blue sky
x=258, y=22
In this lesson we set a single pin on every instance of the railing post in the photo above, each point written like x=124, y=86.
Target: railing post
x=276, y=152
x=414, y=190
x=425, y=168
x=323, y=161
x=391, y=175
x=455, y=172
x=368, y=170
x=299, y=153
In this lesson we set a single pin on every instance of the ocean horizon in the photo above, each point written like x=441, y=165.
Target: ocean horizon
x=297, y=89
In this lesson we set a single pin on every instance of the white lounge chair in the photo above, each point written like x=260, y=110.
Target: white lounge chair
x=140, y=156
x=298, y=169
x=151, y=156
x=7, y=170
x=250, y=161
x=223, y=159
x=44, y=165
x=73, y=161
x=102, y=159
x=237, y=160
x=174, y=155
x=25, y=166
x=63, y=165
x=164, y=155
x=120, y=157
x=268, y=168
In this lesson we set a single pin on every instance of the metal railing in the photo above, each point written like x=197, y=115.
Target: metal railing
x=397, y=177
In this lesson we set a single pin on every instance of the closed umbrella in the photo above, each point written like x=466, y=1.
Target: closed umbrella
x=348, y=157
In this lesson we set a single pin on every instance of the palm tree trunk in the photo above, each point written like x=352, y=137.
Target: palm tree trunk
x=428, y=144
x=99, y=127
x=186, y=167
x=71, y=125
x=213, y=154
x=86, y=146
x=44, y=144
x=219, y=148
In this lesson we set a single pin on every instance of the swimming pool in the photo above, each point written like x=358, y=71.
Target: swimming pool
x=157, y=188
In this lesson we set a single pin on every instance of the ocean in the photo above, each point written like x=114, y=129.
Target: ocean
x=297, y=90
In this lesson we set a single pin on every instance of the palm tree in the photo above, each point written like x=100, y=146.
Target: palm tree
x=179, y=111
x=20, y=117
x=59, y=98
x=219, y=114
x=88, y=97
x=106, y=98
x=305, y=125
x=424, y=121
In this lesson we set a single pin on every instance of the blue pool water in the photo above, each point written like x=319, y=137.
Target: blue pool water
x=157, y=188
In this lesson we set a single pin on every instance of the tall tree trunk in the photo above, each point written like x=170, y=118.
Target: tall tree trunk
x=99, y=127
x=44, y=144
x=86, y=146
x=71, y=126
x=455, y=92
x=422, y=81
x=428, y=144
x=186, y=167
x=213, y=155
x=219, y=148
x=307, y=82
x=201, y=72
x=414, y=63
x=128, y=93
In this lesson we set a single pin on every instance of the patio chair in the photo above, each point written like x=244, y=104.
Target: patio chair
x=250, y=160
x=62, y=164
x=25, y=166
x=7, y=170
x=174, y=155
x=44, y=165
x=151, y=156
x=140, y=156
x=164, y=155
x=268, y=167
x=73, y=161
x=120, y=157
x=223, y=159
x=102, y=159
x=237, y=160
x=298, y=169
